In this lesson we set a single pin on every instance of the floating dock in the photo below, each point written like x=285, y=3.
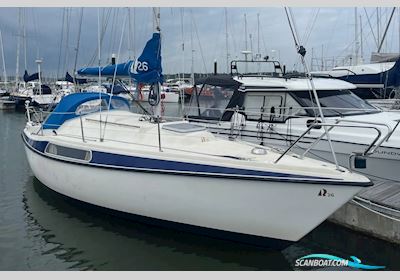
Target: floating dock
x=374, y=211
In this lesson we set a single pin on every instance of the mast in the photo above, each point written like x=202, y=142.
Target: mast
x=226, y=40
x=99, y=58
x=77, y=46
x=258, y=54
x=322, y=57
x=192, y=47
x=24, y=36
x=156, y=23
x=99, y=46
x=18, y=47
x=4, y=62
x=361, y=42
x=245, y=41
x=378, y=10
x=181, y=91
x=129, y=34
x=258, y=33
x=133, y=35
x=39, y=61
x=357, y=43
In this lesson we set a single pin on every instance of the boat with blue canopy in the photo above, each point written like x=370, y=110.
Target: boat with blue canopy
x=178, y=174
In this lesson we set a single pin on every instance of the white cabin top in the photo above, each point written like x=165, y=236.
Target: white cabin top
x=294, y=84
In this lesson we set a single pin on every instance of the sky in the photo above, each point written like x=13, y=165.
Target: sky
x=207, y=34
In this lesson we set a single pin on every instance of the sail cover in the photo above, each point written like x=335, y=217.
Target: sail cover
x=147, y=68
x=28, y=78
x=70, y=79
x=122, y=70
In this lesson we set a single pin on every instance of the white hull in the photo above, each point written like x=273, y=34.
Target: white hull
x=265, y=209
x=40, y=100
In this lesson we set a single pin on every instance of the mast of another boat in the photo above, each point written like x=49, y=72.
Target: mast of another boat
x=39, y=61
x=181, y=90
x=99, y=60
x=18, y=47
x=245, y=42
x=302, y=51
x=357, y=42
x=192, y=47
x=24, y=38
x=226, y=40
x=4, y=62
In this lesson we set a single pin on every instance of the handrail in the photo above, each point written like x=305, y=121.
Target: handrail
x=351, y=121
x=369, y=150
x=366, y=152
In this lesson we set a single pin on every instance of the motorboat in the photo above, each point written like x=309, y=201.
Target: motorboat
x=276, y=109
x=93, y=149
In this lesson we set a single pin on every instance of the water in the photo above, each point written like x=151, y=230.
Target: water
x=41, y=230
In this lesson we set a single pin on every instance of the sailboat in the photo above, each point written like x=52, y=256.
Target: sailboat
x=38, y=94
x=92, y=148
x=379, y=79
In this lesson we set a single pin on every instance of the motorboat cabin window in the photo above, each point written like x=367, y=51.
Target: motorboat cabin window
x=271, y=107
x=67, y=152
x=334, y=103
x=211, y=102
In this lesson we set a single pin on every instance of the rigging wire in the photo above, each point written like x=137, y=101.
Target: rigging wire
x=114, y=76
x=105, y=18
x=66, y=54
x=302, y=52
x=198, y=39
x=61, y=43
x=370, y=26
x=24, y=36
x=77, y=46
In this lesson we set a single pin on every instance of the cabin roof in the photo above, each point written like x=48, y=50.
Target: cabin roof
x=294, y=84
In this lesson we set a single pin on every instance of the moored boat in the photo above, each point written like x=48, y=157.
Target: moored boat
x=179, y=173
x=277, y=109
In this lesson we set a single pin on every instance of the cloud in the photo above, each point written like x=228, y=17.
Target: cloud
x=46, y=35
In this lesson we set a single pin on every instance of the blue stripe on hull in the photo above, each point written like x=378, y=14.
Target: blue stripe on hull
x=132, y=163
x=148, y=163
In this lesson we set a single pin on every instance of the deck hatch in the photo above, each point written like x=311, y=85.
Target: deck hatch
x=183, y=127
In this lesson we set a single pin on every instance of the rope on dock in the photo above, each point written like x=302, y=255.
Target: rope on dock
x=375, y=211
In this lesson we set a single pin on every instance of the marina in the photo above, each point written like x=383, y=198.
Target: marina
x=290, y=167
x=40, y=231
